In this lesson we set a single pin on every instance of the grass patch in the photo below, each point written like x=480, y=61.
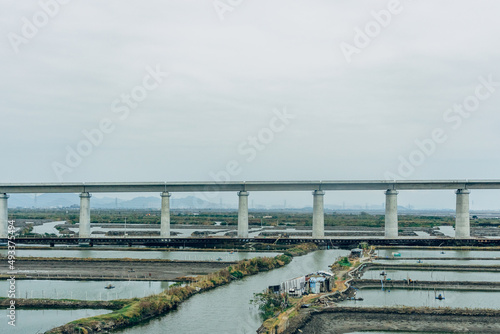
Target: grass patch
x=344, y=262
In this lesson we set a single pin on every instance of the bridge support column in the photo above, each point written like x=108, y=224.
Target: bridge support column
x=243, y=214
x=318, y=228
x=391, y=213
x=84, y=215
x=4, y=216
x=462, y=221
x=165, y=214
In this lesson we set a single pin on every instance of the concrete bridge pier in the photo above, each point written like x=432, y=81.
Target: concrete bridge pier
x=318, y=222
x=4, y=216
x=462, y=220
x=391, y=213
x=243, y=214
x=84, y=215
x=165, y=214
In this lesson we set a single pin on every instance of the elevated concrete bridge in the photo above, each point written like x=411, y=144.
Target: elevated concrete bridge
x=318, y=188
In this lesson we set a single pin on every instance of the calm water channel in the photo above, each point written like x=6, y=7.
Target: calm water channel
x=227, y=309
x=39, y=321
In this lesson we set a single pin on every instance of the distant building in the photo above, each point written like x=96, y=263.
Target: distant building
x=317, y=282
x=356, y=253
x=294, y=287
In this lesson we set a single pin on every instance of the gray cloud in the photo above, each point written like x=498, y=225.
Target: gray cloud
x=353, y=120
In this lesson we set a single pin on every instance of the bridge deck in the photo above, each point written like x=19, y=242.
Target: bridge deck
x=95, y=187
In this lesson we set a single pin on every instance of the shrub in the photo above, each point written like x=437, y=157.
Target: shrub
x=270, y=303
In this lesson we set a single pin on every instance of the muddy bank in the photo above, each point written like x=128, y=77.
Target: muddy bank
x=440, y=248
x=35, y=222
x=402, y=284
x=444, y=259
x=132, y=233
x=328, y=234
x=265, y=248
x=425, y=266
x=77, y=268
x=26, y=304
x=340, y=320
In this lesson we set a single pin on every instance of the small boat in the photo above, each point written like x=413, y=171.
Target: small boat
x=109, y=286
x=440, y=297
x=355, y=298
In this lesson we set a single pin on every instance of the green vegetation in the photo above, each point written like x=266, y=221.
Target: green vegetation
x=301, y=249
x=270, y=304
x=364, y=245
x=209, y=217
x=26, y=231
x=344, y=262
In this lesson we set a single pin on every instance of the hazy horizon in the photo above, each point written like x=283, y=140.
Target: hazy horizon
x=231, y=204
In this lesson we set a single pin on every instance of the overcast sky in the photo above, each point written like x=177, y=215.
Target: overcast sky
x=254, y=90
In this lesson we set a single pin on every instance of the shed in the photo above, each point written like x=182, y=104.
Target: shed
x=356, y=252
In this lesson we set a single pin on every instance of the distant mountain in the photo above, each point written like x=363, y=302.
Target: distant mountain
x=150, y=202
x=21, y=201
x=73, y=200
x=193, y=202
